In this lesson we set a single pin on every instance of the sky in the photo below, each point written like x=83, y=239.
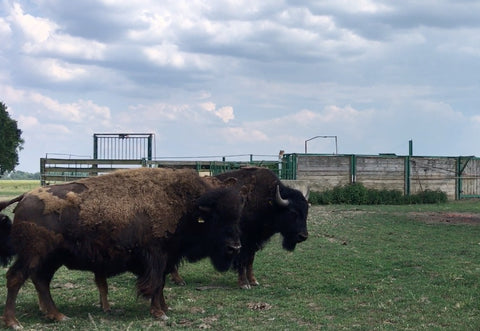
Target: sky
x=239, y=77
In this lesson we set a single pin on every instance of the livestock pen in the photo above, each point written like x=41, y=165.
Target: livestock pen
x=458, y=177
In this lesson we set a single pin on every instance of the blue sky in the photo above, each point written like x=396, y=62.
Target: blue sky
x=243, y=77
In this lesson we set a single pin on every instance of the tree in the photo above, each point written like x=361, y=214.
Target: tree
x=11, y=141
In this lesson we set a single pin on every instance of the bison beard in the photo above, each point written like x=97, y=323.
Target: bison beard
x=143, y=221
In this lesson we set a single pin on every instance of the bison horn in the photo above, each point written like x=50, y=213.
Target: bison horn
x=281, y=201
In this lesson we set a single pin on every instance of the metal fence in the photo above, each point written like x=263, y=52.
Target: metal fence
x=458, y=177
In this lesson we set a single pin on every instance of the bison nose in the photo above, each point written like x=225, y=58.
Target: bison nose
x=302, y=237
x=234, y=248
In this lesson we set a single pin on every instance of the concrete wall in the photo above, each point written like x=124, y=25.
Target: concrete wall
x=381, y=172
x=456, y=176
x=433, y=174
x=324, y=172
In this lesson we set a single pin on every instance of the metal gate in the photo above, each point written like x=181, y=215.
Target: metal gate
x=123, y=146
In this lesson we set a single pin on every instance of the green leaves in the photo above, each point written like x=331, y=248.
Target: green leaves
x=10, y=141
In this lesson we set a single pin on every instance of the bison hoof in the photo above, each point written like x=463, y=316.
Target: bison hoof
x=16, y=326
x=254, y=283
x=159, y=314
x=13, y=324
x=57, y=317
x=245, y=287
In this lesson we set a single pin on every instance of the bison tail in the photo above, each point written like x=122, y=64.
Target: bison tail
x=6, y=248
x=5, y=204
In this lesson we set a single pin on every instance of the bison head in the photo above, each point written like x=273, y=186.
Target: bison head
x=292, y=216
x=216, y=232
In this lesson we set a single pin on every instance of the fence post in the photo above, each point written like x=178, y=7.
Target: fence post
x=458, y=175
x=407, y=175
x=353, y=169
x=42, y=171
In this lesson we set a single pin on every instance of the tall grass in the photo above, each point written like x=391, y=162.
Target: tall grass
x=363, y=268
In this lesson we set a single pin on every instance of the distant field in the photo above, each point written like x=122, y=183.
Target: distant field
x=362, y=268
x=10, y=188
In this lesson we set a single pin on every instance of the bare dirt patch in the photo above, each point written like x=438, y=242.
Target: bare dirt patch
x=446, y=218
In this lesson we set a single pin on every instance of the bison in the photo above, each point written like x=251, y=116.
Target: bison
x=142, y=221
x=271, y=208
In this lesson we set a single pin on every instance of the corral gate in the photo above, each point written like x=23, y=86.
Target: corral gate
x=123, y=146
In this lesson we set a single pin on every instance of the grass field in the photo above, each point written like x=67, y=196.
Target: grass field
x=362, y=268
x=12, y=188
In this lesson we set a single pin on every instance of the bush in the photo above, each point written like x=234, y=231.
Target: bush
x=357, y=194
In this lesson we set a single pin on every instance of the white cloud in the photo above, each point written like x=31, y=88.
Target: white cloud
x=35, y=29
x=65, y=45
x=42, y=37
x=225, y=113
x=208, y=106
x=168, y=55
x=57, y=70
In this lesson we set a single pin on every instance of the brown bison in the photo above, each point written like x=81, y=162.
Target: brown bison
x=271, y=208
x=143, y=221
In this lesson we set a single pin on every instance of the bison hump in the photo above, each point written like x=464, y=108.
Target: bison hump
x=157, y=196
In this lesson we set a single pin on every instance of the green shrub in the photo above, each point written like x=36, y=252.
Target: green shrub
x=357, y=194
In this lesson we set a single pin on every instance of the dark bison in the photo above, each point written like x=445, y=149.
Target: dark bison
x=270, y=208
x=143, y=221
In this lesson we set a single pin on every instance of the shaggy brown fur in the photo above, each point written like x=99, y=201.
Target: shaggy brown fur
x=116, y=198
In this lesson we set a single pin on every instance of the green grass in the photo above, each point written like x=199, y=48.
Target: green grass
x=11, y=188
x=363, y=268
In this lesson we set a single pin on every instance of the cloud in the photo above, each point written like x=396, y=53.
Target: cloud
x=168, y=55
x=49, y=109
x=226, y=113
x=244, y=135
x=34, y=29
x=243, y=76
x=27, y=122
x=42, y=37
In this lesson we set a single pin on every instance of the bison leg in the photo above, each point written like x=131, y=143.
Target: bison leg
x=176, y=278
x=158, y=305
x=246, y=279
x=250, y=276
x=16, y=277
x=242, y=278
x=102, y=286
x=42, y=280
